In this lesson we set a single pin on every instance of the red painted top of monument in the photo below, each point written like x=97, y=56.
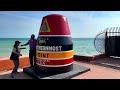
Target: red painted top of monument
x=54, y=24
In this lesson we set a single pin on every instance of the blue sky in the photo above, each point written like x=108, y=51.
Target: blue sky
x=21, y=24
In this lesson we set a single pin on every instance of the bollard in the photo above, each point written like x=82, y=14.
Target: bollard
x=54, y=49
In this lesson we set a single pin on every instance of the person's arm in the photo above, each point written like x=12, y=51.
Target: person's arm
x=22, y=48
x=25, y=44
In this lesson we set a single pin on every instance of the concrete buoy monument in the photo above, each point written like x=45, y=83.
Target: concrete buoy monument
x=54, y=49
x=54, y=44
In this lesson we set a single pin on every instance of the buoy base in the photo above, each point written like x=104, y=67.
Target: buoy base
x=55, y=69
x=39, y=74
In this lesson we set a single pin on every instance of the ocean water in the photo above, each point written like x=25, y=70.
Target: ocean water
x=81, y=46
x=84, y=47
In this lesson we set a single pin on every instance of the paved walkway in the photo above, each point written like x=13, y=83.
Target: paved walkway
x=21, y=75
x=96, y=72
x=108, y=61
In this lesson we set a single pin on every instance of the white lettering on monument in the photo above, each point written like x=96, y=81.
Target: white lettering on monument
x=49, y=48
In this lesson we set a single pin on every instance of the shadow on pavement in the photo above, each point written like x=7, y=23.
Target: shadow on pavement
x=106, y=62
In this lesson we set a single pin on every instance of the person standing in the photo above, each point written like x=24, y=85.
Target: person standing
x=15, y=58
x=32, y=50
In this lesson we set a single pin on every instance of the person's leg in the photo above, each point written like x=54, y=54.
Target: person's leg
x=35, y=58
x=16, y=65
x=31, y=58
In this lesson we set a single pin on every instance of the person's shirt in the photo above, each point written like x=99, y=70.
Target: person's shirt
x=32, y=44
x=18, y=51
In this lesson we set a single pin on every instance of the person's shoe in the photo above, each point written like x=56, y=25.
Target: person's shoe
x=11, y=76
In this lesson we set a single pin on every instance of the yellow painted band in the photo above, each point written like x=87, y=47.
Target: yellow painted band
x=46, y=54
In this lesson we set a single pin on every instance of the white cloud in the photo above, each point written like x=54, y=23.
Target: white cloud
x=12, y=24
x=81, y=23
x=89, y=26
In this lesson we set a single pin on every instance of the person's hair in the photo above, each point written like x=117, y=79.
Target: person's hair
x=33, y=35
x=15, y=45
